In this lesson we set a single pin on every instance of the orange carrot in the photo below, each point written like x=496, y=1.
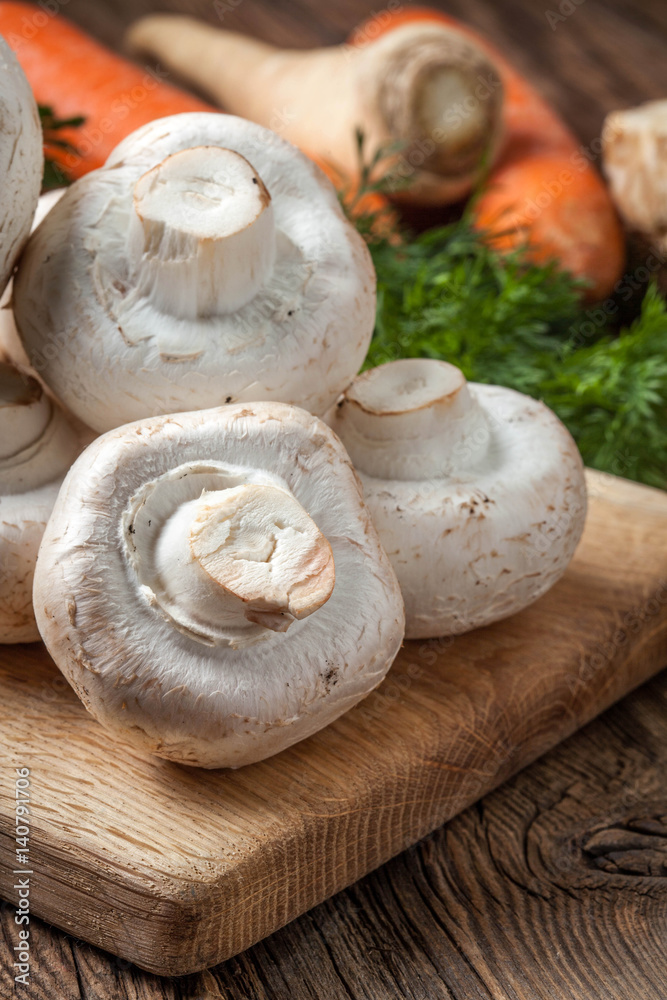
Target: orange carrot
x=75, y=75
x=544, y=188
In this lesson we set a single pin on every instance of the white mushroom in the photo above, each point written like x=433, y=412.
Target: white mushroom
x=634, y=145
x=477, y=491
x=38, y=443
x=10, y=344
x=212, y=586
x=21, y=160
x=207, y=262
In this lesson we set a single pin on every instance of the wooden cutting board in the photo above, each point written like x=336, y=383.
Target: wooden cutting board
x=177, y=869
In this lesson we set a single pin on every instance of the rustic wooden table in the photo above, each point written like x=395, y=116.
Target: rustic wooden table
x=554, y=886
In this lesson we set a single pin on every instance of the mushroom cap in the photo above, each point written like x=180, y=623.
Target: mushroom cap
x=10, y=343
x=495, y=524
x=191, y=696
x=36, y=450
x=21, y=160
x=112, y=356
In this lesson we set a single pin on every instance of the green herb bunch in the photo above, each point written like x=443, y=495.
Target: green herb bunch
x=52, y=126
x=505, y=320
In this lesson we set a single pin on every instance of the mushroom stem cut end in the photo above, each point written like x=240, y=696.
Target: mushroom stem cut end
x=202, y=233
x=244, y=560
x=411, y=419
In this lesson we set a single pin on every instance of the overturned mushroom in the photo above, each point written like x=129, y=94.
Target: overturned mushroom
x=212, y=586
x=21, y=160
x=38, y=443
x=208, y=262
x=477, y=491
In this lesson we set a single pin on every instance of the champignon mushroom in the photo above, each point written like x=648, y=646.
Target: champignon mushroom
x=10, y=345
x=477, y=491
x=38, y=443
x=634, y=143
x=207, y=262
x=21, y=160
x=212, y=586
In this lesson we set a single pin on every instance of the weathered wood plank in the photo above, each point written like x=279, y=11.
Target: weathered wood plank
x=509, y=900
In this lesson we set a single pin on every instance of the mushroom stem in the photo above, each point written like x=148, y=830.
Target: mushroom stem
x=412, y=420
x=37, y=443
x=202, y=236
x=247, y=558
x=24, y=411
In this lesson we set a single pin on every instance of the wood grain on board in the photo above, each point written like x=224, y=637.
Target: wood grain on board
x=177, y=869
x=509, y=899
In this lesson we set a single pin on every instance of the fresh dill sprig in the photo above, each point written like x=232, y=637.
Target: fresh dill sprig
x=52, y=126
x=506, y=320
x=613, y=397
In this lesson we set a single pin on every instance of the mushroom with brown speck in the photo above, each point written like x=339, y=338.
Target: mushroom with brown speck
x=246, y=580
x=454, y=482
x=160, y=283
